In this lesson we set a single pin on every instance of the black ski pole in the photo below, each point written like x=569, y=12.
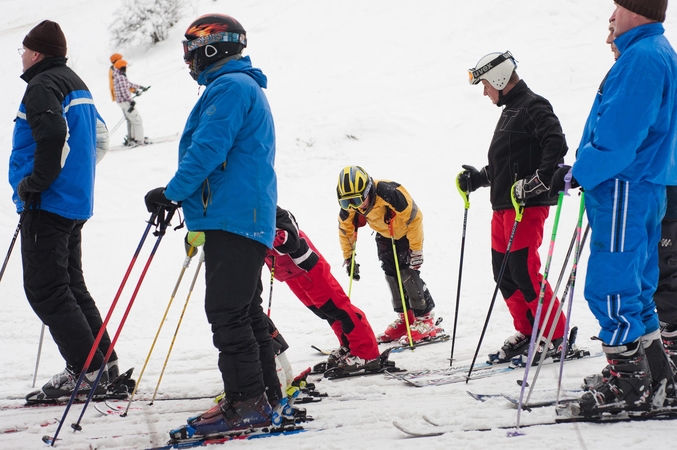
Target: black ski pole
x=466, y=201
x=519, y=210
x=162, y=227
x=95, y=346
x=11, y=244
x=272, y=279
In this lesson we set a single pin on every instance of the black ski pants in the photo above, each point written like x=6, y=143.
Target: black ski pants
x=55, y=286
x=240, y=330
x=665, y=296
x=416, y=292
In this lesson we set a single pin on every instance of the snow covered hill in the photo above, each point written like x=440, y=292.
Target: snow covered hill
x=378, y=83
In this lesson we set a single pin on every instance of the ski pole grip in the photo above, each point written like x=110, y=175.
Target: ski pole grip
x=519, y=207
x=465, y=195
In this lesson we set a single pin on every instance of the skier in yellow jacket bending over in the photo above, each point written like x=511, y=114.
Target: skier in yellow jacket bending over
x=390, y=211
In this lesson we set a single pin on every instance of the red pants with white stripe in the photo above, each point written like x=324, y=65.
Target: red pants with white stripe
x=521, y=282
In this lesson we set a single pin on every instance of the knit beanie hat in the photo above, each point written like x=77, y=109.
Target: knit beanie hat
x=115, y=57
x=120, y=63
x=651, y=9
x=46, y=38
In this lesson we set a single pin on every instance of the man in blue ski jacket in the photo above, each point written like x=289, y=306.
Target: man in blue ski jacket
x=625, y=159
x=226, y=185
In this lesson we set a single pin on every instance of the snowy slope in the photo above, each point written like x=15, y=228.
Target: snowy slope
x=382, y=84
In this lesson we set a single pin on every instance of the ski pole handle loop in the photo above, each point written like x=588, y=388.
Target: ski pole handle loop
x=464, y=194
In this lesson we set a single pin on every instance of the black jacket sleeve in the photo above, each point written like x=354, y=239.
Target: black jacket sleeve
x=45, y=117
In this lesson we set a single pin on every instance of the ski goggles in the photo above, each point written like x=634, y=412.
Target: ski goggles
x=356, y=201
x=351, y=203
x=475, y=74
x=224, y=36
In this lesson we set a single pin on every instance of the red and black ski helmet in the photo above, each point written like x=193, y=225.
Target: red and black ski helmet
x=212, y=37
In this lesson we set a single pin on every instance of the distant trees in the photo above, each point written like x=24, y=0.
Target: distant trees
x=145, y=21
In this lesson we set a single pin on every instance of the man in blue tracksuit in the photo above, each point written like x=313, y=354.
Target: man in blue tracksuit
x=58, y=138
x=625, y=159
x=227, y=187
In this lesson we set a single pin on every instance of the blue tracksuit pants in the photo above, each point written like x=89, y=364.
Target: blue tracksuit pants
x=625, y=218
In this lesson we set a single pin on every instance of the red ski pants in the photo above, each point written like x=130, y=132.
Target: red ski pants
x=322, y=294
x=521, y=282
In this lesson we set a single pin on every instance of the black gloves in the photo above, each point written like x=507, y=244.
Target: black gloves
x=562, y=181
x=22, y=190
x=472, y=179
x=356, y=271
x=155, y=201
x=131, y=106
x=529, y=187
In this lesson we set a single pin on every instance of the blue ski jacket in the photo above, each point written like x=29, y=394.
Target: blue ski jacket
x=226, y=178
x=631, y=132
x=54, y=145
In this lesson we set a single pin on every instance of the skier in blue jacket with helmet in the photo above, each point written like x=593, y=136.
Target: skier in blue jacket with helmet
x=226, y=185
x=625, y=159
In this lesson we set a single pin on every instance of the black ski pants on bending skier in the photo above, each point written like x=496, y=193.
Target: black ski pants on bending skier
x=233, y=301
x=55, y=286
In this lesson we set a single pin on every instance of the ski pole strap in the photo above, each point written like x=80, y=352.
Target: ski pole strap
x=519, y=207
x=464, y=194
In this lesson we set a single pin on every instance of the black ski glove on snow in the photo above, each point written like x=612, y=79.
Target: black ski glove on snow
x=472, y=179
x=155, y=201
x=356, y=271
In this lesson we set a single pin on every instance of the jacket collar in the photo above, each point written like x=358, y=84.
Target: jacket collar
x=42, y=66
x=636, y=34
x=232, y=64
x=517, y=91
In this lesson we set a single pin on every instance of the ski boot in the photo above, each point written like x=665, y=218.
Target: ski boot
x=629, y=386
x=514, y=346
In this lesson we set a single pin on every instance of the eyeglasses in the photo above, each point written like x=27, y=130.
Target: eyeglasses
x=21, y=51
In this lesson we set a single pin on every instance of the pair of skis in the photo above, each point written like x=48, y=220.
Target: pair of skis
x=437, y=429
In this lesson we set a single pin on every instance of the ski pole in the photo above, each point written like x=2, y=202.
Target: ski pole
x=519, y=211
x=572, y=282
x=178, y=325
x=557, y=314
x=160, y=232
x=539, y=310
x=102, y=330
x=185, y=265
x=356, y=222
x=466, y=202
x=272, y=279
x=399, y=277
x=565, y=345
x=115, y=128
x=22, y=216
x=37, y=360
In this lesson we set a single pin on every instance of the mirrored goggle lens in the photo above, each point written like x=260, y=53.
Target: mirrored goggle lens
x=354, y=202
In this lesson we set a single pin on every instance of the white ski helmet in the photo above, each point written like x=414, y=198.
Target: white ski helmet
x=496, y=68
